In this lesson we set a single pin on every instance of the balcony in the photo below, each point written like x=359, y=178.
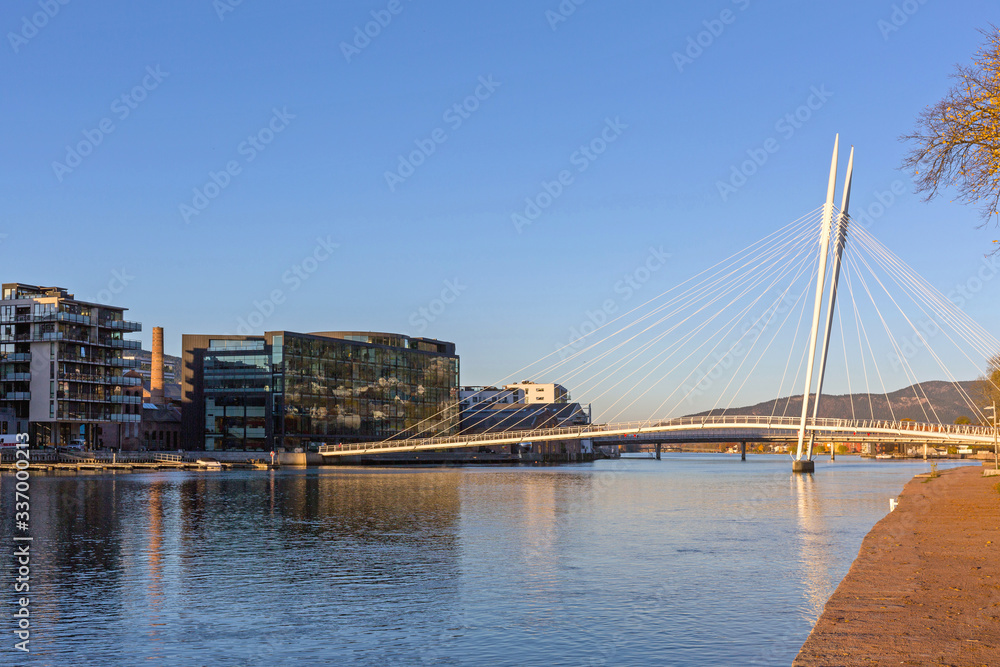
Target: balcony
x=122, y=344
x=68, y=415
x=124, y=363
x=72, y=317
x=81, y=377
x=122, y=325
x=15, y=377
x=127, y=400
x=75, y=338
x=75, y=396
x=127, y=419
x=72, y=359
x=16, y=396
x=119, y=380
x=16, y=357
x=99, y=378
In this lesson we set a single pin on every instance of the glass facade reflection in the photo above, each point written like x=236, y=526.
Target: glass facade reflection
x=237, y=382
x=291, y=390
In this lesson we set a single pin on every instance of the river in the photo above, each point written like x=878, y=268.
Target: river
x=692, y=560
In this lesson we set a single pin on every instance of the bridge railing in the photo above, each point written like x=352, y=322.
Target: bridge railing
x=637, y=427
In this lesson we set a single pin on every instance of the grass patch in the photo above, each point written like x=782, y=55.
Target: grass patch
x=930, y=475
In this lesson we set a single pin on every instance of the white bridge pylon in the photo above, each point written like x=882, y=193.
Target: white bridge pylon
x=805, y=464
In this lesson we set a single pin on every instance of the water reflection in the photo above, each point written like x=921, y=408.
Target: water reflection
x=149, y=560
x=816, y=545
x=680, y=561
x=154, y=576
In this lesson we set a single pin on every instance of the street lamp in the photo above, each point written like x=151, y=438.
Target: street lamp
x=996, y=458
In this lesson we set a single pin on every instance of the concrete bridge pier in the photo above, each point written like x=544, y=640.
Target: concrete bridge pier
x=743, y=451
x=804, y=465
x=659, y=446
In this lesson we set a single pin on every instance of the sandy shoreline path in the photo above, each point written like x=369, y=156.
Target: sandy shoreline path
x=925, y=587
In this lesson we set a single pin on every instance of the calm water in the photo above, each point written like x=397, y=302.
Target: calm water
x=692, y=560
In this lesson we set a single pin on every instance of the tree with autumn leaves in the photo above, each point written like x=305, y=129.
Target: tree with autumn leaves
x=957, y=140
x=988, y=384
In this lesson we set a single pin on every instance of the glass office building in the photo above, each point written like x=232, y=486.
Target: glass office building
x=290, y=390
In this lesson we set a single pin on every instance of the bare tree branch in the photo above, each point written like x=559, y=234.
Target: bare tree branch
x=957, y=140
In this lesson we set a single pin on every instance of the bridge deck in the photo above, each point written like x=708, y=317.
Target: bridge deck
x=695, y=428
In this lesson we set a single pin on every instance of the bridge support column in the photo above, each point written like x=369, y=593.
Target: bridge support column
x=658, y=448
x=803, y=465
x=743, y=451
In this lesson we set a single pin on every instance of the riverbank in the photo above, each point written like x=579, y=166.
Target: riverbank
x=925, y=586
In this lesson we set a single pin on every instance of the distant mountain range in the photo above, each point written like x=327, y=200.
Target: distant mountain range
x=913, y=402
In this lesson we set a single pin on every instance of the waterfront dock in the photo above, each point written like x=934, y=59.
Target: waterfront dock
x=50, y=461
x=925, y=587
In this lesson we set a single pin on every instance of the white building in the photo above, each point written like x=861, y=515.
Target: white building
x=481, y=397
x=62, y=371
x=536, y=392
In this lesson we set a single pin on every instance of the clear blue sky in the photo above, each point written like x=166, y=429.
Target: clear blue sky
x=209, y=79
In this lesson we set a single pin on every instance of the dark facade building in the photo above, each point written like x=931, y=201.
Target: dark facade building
x=286, y=391
x=161, y=427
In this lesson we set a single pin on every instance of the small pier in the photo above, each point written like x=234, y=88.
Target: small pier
x=53, y=461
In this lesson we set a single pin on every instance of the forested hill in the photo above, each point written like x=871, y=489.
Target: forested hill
x=913, y=402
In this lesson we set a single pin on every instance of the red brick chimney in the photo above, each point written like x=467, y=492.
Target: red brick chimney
x=156, y=371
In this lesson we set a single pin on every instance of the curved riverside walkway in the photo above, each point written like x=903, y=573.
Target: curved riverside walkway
x=925, y=587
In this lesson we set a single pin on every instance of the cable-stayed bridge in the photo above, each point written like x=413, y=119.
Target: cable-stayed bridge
x=727, y=332
x=688, y=429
